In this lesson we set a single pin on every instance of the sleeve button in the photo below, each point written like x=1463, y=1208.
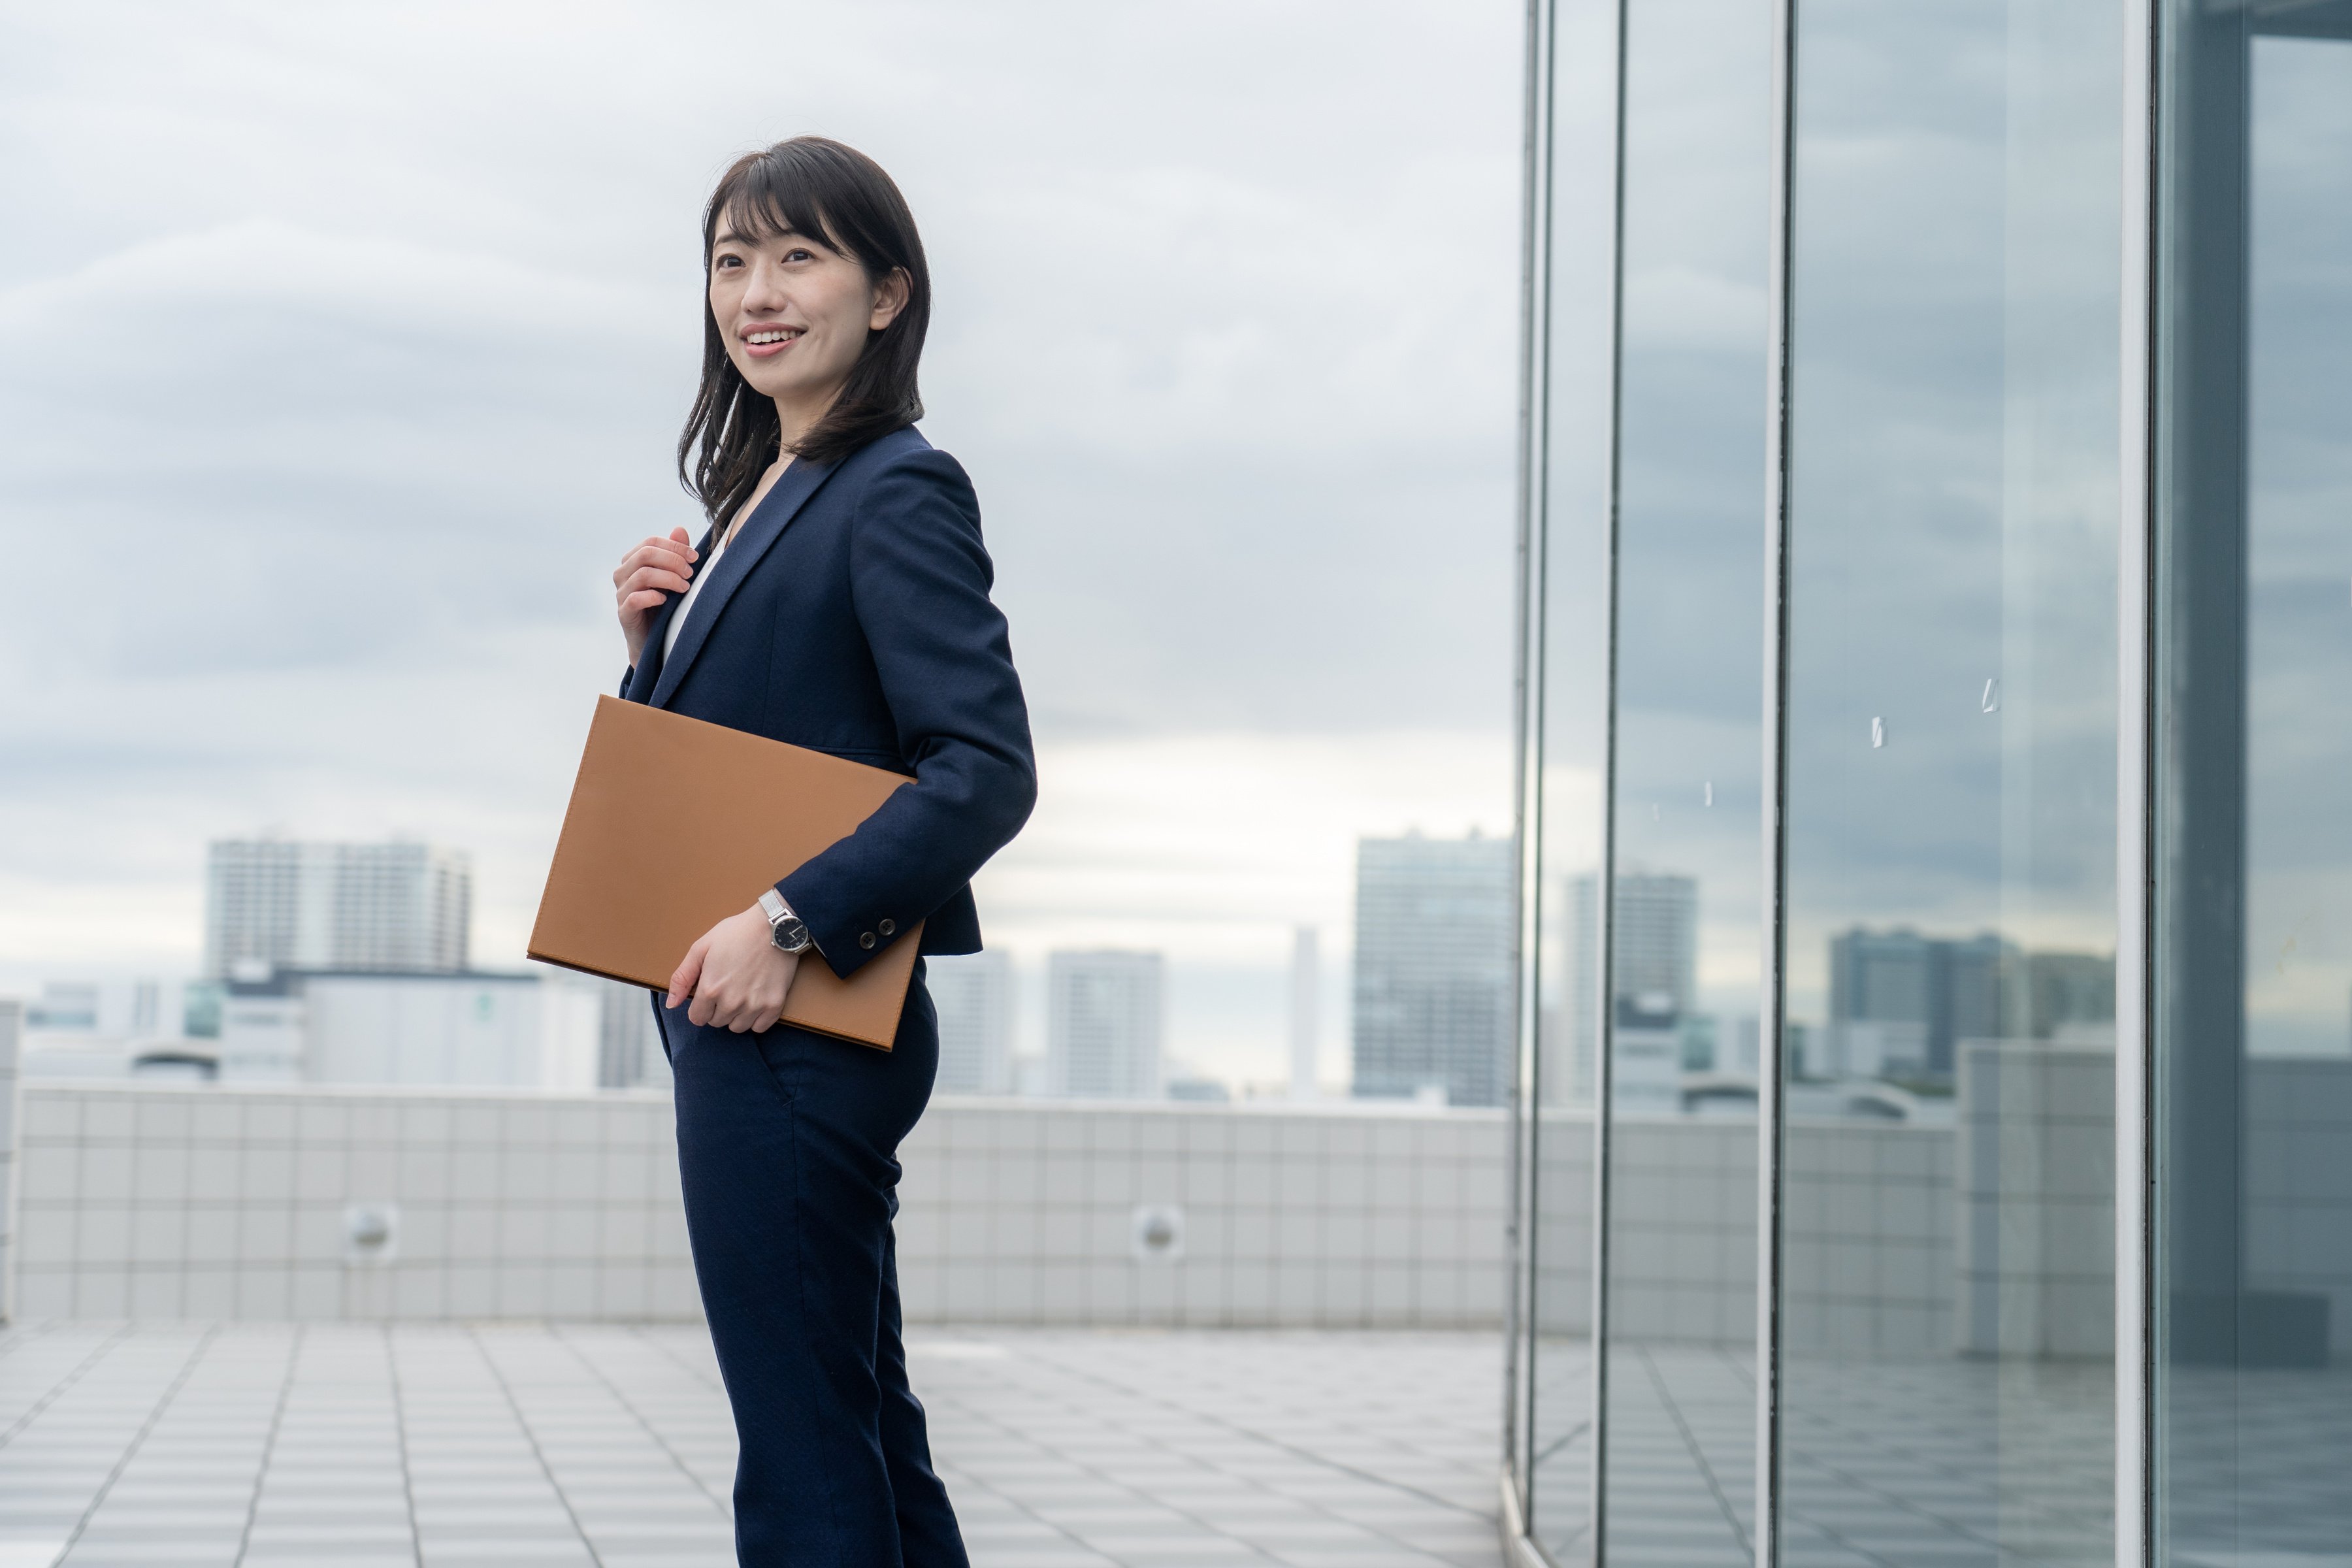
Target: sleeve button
x=888, y=928
x=865, y=939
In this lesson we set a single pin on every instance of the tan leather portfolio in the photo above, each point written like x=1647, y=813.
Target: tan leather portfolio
x=675, y=825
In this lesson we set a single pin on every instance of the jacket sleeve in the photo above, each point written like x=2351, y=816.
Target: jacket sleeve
x=920, y=578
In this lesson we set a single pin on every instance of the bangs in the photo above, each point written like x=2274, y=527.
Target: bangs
x=765, y=198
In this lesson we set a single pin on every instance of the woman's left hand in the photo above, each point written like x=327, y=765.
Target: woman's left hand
x=736, y=974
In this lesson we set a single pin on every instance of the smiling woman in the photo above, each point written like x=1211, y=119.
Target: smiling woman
x=839, y=602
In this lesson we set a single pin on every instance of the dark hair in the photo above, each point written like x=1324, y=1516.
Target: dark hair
x=823, y=190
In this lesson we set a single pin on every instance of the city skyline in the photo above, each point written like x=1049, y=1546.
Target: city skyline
x=1143, y=465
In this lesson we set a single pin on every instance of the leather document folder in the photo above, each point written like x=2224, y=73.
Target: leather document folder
x=675, y=825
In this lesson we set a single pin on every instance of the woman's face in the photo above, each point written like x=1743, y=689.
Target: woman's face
x=795, y=313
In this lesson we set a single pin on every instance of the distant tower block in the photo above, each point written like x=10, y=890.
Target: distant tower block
x=1306, y=1019
x=1433, y=968
x=1103, y=1024
x=289, y=905
x=972, y=994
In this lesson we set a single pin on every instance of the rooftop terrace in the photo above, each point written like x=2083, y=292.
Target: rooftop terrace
x=532, y=1445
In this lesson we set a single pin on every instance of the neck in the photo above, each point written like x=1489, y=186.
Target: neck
x=797, y=413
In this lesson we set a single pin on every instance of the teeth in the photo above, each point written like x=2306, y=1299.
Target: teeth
x=768, y=337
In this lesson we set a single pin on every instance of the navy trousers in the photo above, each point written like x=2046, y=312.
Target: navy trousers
x=787, y=1145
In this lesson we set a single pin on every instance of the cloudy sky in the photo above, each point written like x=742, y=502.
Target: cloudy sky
x=343, y=349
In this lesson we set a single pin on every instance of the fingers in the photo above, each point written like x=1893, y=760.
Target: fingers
x=672, y=554
x=689, y=970
x=726, y=985
x=660, y=577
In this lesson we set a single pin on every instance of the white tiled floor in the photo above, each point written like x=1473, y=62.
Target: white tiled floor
x=449, y=1446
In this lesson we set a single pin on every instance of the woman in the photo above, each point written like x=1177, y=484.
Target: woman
x=840, y=602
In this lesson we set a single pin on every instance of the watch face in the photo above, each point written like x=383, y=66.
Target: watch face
x=790, y=933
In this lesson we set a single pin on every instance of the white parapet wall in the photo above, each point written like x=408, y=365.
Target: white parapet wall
x=211, y=1201
x=162, y=1201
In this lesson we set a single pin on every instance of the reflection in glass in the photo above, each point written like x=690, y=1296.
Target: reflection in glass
x=2252, y=950
x=1564, y=815
x=1948, y=1155
x=1678, y=1461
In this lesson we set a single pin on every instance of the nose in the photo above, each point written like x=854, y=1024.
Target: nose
x=765, y=291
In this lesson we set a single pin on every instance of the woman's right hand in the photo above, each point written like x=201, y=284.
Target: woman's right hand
x=647, y=574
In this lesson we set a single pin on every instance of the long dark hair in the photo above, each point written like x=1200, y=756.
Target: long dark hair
x=836, y=194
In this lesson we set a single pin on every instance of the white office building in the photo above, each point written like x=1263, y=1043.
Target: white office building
x=1104, y=1020
x=1432, y=981
x=974, y=995
x=1306, y=1012
x=284, y=904
x=535, y=1030
x=629, y=1053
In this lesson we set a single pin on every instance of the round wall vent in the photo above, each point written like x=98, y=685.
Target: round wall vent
x=1157, y=1233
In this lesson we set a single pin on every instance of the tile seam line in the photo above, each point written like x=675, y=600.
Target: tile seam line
x=564, y=1338
x=400, y=1435
x=1699, y=1454
x=269, y=1444
x=97, y=1353
x=1067, y=1402
x=1065, y=1531
x=530, y=1435
x=18, y=1336
x=106, y=1488
x=696, y=1373
x=1062, y=1401
x=1287, y=1448
x=1904, y=1505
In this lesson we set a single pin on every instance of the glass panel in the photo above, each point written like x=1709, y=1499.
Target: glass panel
x=2253, y=843
x=1947, y=1169
x=1679, y=1439
x=1572, y=648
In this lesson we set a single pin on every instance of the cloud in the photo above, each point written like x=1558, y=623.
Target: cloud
x=342, y=350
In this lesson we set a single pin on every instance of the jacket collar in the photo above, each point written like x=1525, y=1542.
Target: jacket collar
x=768, y=521
x=649, y=659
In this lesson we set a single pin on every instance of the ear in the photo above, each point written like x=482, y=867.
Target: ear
x=889, y=297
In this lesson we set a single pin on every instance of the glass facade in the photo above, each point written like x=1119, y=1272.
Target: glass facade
x=1935, y=1093
x=2250, y=981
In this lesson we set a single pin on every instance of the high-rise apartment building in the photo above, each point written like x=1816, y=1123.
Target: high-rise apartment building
x=1433, y=978
x=290, y=905
x=974, y=995
x=1654, y=1000
x=1103, y=1023
x=1900, y=1002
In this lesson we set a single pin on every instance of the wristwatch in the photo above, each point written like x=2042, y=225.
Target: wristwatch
x=785, y=929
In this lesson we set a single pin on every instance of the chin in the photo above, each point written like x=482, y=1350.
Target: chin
x=771, y=381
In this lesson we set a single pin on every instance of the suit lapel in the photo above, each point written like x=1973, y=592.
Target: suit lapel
x=768, y=520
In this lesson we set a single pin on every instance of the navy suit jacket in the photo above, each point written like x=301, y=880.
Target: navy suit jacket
x=851, y=616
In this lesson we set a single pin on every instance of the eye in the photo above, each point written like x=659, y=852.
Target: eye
x=800, y=253
x=726, y=261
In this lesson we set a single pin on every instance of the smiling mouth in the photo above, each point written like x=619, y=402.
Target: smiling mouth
x=770, y=340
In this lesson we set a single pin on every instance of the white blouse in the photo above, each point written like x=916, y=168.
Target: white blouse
x=702, y=569
x=693, y=590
